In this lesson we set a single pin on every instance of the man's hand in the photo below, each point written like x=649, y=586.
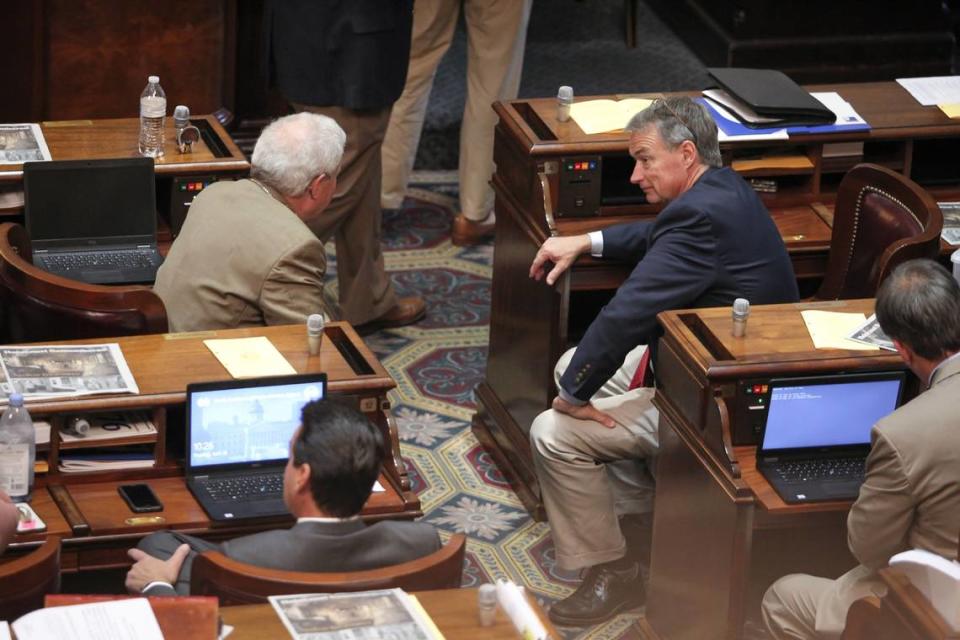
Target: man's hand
x=148, y=569
x=583, y=412
x=561, y=251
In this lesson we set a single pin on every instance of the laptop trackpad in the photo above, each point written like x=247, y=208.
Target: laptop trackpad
x=102, y=276
x=848, y=489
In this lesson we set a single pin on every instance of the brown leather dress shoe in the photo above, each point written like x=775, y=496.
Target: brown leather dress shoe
x=466, y=232
x=406, y=311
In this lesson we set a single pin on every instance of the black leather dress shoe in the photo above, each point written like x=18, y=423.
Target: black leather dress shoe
x=604, y=593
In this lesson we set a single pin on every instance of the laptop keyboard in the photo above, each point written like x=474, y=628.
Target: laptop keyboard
x=246, y=487
x=826, y=469
x=128, y=259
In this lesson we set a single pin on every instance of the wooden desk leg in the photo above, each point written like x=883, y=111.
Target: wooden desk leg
x=701, y=548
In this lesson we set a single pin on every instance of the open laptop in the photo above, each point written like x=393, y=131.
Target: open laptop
x=238, y=442
x=93, y=220
x=817, y=433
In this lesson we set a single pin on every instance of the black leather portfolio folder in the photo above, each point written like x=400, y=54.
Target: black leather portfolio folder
x=772, y=94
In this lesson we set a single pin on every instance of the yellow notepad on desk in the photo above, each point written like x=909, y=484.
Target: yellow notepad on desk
x=250, y=357
x=598, y=116
x=829, y=329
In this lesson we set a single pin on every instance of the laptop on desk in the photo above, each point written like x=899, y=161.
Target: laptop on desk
x=93, y=220
x=817, y=433
x=238, y=442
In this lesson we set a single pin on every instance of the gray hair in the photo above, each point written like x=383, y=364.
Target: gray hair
x=295, y=149
x=679, y=118
x=919, y=305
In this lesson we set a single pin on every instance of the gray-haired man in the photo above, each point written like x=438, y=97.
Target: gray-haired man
x=713, y=242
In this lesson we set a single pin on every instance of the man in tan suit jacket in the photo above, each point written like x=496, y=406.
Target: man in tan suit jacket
x=246, y=255
x=910, y=498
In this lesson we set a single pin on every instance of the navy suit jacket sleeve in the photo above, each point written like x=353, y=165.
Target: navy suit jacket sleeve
x=678, y=266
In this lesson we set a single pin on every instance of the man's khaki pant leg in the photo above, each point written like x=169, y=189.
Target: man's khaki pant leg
x=496, y=38
x=789, y=606
x=570, y=456
x=434, y=22
x=353, y=217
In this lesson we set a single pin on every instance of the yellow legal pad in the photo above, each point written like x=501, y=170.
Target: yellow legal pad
x=829, y=329
x=250, y=357
x=597, y=116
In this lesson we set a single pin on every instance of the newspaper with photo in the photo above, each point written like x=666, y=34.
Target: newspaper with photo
x=21, y=143
x=870, y=333
x=951, y=222
x=367, y=615
x=64, y=371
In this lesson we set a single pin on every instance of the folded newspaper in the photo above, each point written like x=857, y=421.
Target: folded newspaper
x=366, y=615
x=870, y=333
x=64, y=371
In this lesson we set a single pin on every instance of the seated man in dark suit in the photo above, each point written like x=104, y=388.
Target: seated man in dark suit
x=713, y=242
x=335, y=457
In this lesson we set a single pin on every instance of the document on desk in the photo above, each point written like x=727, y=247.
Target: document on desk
x=250, y=357
x=933, y=90
x=58, y=371
x=599, y=116
x=130, y=619
x=21, y=143
x=829, y=329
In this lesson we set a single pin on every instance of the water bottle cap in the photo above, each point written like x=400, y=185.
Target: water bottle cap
x=153, y=79
x=16, y=399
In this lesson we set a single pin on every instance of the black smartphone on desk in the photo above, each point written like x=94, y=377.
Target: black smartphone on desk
x=140, y=498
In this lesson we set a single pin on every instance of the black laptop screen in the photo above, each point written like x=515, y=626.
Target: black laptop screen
x=830, y=410
x=243, y=424
x=80, y=200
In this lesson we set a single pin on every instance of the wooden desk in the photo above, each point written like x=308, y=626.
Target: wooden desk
x=532, y=324
x=721, y=535
x=87, y=511
x=453, y=610
x=214, y=157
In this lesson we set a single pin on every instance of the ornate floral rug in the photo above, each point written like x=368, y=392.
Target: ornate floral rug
x=437, y=363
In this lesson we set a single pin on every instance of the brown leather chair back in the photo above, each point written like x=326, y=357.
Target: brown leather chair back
x=39, y=306
x=25, y=580
x=214, y=574
x=881, y=219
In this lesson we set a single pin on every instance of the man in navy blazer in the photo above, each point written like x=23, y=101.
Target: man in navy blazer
x=713, y=242
x=335, y=457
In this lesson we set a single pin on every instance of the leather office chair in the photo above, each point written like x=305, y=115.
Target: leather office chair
x=214, y=574
x=39, y=306
x=25, y=580
x=881, y=219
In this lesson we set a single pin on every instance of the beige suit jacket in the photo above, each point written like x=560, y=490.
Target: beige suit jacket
x=242, y=259
x=910, y=498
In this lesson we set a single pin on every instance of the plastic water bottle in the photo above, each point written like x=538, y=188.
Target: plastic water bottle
x=18, y=450
x=153, y=110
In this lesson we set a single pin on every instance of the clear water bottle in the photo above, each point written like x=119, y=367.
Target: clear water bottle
x=18, y=450
x=153, y=110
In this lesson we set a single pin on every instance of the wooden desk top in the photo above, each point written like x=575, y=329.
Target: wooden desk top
x=164, y=364
x=776, y=336
x=117, y=138
x=889, y=109
x=453, y=610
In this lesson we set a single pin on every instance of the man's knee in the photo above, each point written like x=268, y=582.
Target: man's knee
x=788, y=610
x=543, y=432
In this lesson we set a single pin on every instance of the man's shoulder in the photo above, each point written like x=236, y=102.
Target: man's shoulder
x=932, y=410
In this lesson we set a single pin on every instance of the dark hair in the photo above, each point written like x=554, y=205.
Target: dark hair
x=919, y=305
x=344, y=451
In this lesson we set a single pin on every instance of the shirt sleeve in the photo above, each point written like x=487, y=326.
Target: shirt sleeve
x=880, y=519
x=596, y=244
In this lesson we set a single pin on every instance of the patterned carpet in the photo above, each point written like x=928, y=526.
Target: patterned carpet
x=437, y=363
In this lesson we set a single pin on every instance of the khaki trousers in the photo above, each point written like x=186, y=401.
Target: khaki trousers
x=353, y=217
x=804, y=607
x=496, y=35
x=590, y=474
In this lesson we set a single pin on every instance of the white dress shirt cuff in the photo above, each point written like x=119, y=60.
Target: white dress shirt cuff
x=155, y=582
x=577, y=402
x=596, y=243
